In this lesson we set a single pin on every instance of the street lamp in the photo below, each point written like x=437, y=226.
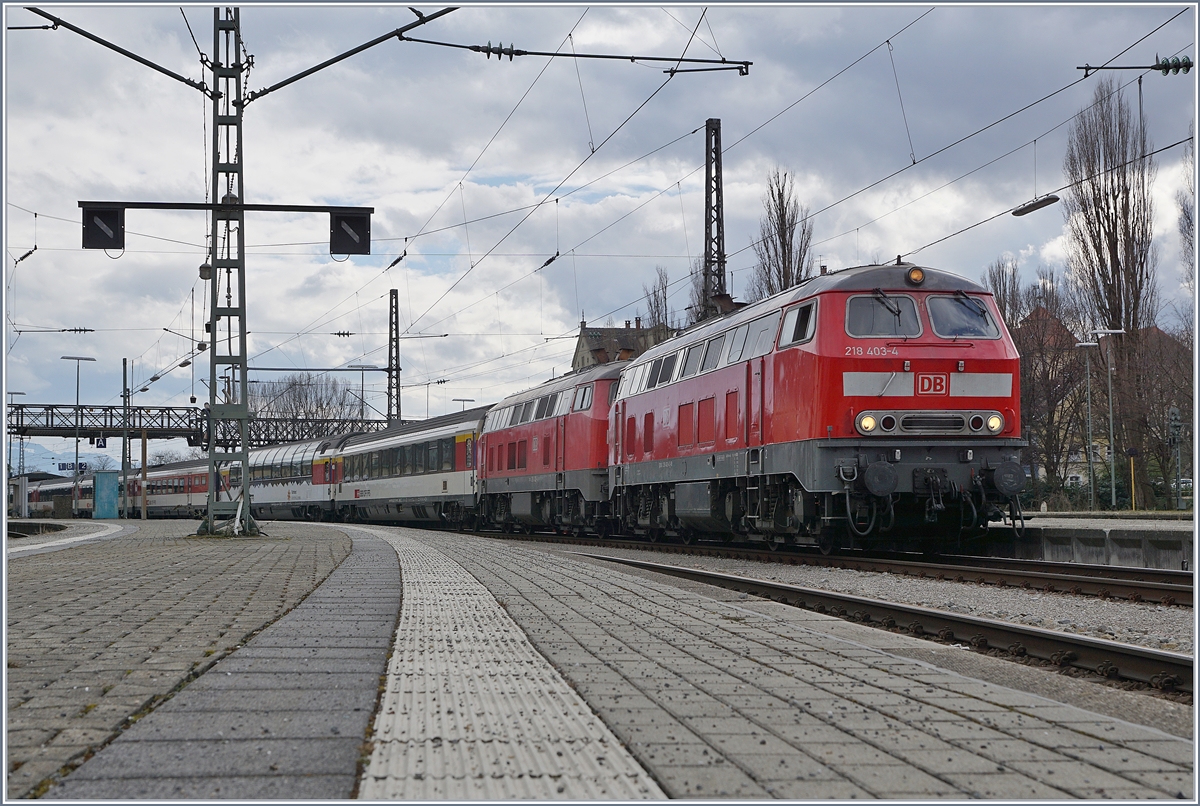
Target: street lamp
x=1112, y=447
x=464, y=401
x=10, y=403
x=362, y=386
x=75, y=485
x=1087, y=357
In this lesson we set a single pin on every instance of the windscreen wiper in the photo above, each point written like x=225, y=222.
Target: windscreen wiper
x=886, y=302
x=976, y=304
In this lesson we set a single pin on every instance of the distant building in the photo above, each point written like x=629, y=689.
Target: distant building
x=599, y=345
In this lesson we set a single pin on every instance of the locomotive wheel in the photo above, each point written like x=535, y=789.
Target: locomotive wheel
x=603, y=530
x=775, y=543
x=654, y=535
x=687, y=537
x=527, y=529
x=825, y=543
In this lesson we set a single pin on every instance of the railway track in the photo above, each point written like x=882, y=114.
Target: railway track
x=1156, y=668
x=1104, y=581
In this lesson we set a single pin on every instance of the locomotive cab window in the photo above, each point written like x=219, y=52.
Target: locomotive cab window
x=880, y=315
x=799, y=325
x=961, y=316
x=583, y=398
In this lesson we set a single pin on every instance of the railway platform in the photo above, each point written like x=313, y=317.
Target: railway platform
x=405, y=664
x=1146, y=540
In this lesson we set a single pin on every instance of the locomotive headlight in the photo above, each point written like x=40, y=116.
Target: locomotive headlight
x=867, y=423
x=994, y=423
x=916, y=275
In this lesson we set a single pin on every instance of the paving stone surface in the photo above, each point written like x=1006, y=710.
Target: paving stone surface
x=258, y=725
x=100, y=629
x=716, y=694
x=471, y=710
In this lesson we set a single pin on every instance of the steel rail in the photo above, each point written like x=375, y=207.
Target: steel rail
x=1166, y=587
x=1157, y=668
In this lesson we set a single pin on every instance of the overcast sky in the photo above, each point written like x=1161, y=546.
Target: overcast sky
x=433, y=137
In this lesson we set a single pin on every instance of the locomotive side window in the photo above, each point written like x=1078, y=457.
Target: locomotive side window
x=737, y=344
x=583, y=398
x=881, y=315
x=652, y=380
x=799, y=325
x=691, y=364
x=713, y=355
x=961, y=315
x=667, y=371
x=762, y=335
x=542, y=403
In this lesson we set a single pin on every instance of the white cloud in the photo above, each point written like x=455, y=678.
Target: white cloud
x=398, y=126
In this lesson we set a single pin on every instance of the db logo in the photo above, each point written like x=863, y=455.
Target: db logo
x=929, y=383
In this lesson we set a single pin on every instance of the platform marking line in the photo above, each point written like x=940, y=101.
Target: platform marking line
x=105, y=531
x=471, y=711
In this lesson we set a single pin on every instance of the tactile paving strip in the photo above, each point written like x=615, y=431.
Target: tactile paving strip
x=471, y=711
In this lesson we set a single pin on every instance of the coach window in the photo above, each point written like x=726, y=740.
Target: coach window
x=799, y=325
x=713, y=355
x=448, y=454
x=374, y=471
x=434, y=464
x=691, y=362
x=961, y=315
x=881, y=315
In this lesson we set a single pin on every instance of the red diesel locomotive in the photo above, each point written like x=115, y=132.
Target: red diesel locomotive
x=863, y=407
x=543, y=455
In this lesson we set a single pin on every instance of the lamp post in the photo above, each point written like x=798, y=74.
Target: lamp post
x=1087, y=357
x=464, y=401
x=362, y=387
x=11, y=395
x=1112, y=447
x=75, y=486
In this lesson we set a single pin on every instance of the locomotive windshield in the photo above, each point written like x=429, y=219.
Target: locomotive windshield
x=882, y=315
x=961, y=316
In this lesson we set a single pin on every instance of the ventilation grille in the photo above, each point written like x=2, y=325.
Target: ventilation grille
x=933, y=423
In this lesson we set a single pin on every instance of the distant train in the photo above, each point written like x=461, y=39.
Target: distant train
x=874, y=406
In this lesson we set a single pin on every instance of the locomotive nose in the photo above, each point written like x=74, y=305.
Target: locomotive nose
x=1009, y=478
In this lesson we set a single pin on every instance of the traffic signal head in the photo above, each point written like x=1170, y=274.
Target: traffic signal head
x=349, y=234
x=103, y=227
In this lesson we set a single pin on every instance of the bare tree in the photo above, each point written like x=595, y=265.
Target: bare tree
x=1109, y=213
x=658, y=313
x=1111, y=258
x=1001, y=279
x=785, y=240
x=305, y=396
x=696, y=302
x=1052, y=375
x=1185, y=198
x=104, y=462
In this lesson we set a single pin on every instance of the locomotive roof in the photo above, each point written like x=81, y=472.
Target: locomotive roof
x=892, y=277
x=569, y=381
